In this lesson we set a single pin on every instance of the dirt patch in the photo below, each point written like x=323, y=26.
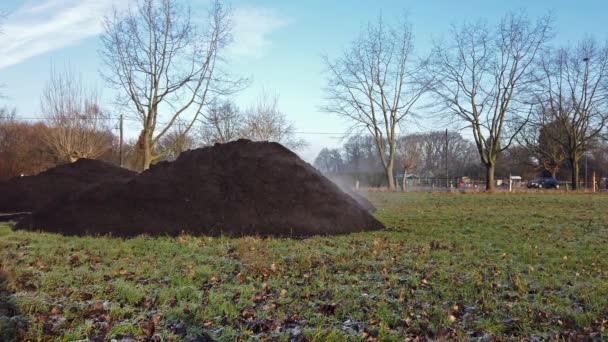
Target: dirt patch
x=30, y=193
x=238, y=188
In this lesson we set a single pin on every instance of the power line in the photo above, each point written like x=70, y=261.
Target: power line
x=120, y=117
x=321, y=133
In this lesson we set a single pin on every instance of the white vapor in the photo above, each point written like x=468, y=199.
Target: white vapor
x=38, y=27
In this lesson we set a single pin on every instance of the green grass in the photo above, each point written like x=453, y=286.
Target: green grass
x=450, y=266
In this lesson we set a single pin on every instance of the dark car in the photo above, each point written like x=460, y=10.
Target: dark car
x=544, y=183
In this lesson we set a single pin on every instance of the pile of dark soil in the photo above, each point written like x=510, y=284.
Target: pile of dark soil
x=238, y=188
x=24, y=194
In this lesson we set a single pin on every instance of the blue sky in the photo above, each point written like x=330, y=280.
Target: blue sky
x=277, y=43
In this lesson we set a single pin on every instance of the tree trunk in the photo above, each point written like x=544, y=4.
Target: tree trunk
x=490, y=177
x=576, y=182
x=389, y=176
x=404, y=181
x=147, y=160
x=146, y=146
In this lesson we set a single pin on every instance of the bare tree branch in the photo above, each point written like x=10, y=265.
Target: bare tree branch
x=483, y=77
x=573, y=95
x=77, y=125
x=375, y=85
x=166, y=67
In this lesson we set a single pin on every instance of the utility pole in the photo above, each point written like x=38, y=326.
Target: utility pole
x=586, y=180
x=447, y=177
x=586, y=77
x=120, y=146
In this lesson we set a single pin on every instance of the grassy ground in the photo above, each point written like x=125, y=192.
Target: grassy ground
x=459, y=266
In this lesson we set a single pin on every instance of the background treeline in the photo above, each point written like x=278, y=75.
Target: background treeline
x=423, y=155
x=531, y=106
x=29, y=147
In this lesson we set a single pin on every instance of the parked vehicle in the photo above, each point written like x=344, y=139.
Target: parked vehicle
x=544, y=183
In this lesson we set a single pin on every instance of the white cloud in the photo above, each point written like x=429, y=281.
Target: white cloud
x=38, y=27
x=252, y=28
x=41, y=26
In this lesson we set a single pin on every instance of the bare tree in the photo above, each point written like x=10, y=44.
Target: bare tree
x=360, y=154
x=175, y=142
x=545, y=142
x=329, y=161
x=264, y=121
x=430, y=152
x=22, y=148
x=165, y=66
x=77, y=125
x=8, y=115
x=221, y=123
x=409, y=155
x=574, y=96
x=482, y=78
x=375, y=85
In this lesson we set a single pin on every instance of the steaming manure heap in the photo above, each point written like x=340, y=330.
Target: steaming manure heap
x=238, y=188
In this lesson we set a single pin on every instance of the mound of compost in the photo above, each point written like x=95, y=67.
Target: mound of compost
x=30, y=193
x=235, y=189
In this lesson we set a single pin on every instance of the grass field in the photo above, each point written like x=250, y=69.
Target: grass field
x=451, y=266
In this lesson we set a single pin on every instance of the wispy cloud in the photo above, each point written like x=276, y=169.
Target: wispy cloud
x=41, y=26
x=252, y=29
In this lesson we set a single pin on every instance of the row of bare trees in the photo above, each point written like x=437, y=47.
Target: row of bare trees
x=423, y=154
x=22, y=149
x=75, y=126
x=572, y=104
x=503, y=82
x=224, y=121
x=170, y=74
x=27, y=148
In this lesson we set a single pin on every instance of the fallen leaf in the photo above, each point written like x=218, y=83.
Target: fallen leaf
x=147, y=328
x=56, y=310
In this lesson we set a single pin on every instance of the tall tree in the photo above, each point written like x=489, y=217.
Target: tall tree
x=574, y=95
x=375, y=85
x=166, y=67
x=78, y=128
x=409, y=155
x=482, y=75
